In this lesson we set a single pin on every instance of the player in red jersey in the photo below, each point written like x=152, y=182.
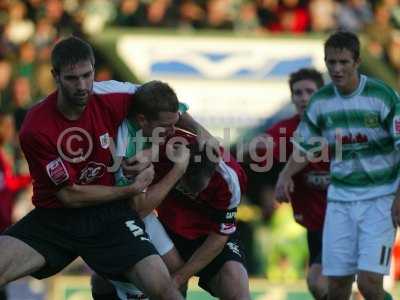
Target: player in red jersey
x=10, y=183
x=199, y=216
x=309, y=196
x=66, y=139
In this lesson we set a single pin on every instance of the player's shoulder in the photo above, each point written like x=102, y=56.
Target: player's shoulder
x=228, y=182
x=324, y=93
x=190, y=137
x=39, y=116
x=284, y=126
x=378, y=89
x=113, y=87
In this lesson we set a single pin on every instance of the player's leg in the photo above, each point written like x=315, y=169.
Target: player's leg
x=370, y=285
x=152, y=277
x=102, y=289
x=316, y=282
x=375, y=243
x=121, y=250
x=226, y=277
x=17, y=259
x=231, y=282
x=36, y=245
x=164, y=245
x=339, y=249
x=160, y=284
x=3, y=294
x=339, y=287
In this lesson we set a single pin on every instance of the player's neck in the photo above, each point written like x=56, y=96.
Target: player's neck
x=351, y=87
x=70, y=111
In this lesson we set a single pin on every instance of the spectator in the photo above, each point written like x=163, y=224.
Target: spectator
x=322, y=15
x=131, y=13
x=353, y=15
x=191, y=14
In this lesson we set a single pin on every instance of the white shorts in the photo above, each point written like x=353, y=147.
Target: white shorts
x=358, y=236
x=162, y=243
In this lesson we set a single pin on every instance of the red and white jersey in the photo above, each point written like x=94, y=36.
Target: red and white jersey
x=214, y=210
x=309, y=196
x=62, y=152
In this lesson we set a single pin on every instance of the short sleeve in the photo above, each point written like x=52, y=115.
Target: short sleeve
x=49, y=171
x=307, y=133
x=393, y=121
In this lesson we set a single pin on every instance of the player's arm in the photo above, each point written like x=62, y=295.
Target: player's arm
x=156, y=193
x=211, y=247
x=305, y=148
x=285, y=184
x=186, y=121
x=87, y=195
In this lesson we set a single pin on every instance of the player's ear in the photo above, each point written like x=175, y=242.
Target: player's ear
x=55, y=75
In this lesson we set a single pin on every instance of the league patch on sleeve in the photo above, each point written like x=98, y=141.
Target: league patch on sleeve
x=57, y=171
x=396, y=125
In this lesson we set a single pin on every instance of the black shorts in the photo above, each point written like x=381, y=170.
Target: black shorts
x=232, y=251
x=314, y=241
x=110, y=238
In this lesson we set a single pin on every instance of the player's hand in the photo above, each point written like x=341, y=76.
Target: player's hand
x=132, y=166
x=284, y=187
x=207, y=141
x=143, y=180
x=396, y=211
x=181, y=156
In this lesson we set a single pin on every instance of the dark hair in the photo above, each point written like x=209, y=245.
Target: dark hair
x=200, y=167
x=70, y=51
x=306, y=74
x=152, y=98
x=344, y=40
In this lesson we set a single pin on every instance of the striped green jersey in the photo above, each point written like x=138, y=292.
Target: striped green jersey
x=130, y=141
x=363, y=133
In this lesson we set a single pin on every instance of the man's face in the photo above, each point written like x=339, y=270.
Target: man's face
x=75, y=83
x=191, y=187
x=302, y=91
x=166, y=122
x=342, y=69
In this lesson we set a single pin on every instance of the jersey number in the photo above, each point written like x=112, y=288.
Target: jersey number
x=136, y=230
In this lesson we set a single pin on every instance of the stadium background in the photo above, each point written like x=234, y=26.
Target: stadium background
x=229, y=60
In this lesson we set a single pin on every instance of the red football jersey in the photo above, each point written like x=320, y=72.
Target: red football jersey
x=10, y=184
x=309, y=196
x=213, y=210
x=62, y=152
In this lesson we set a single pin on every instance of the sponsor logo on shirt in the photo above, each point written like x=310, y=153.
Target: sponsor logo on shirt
x=317, y=179
x=234, y=248
x=57, y=171
x=227, y=228
x=371, y=120
x=91, y=172
x=105, y=140
x=354, y=138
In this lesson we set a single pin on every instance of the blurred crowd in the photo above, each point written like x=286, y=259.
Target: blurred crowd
x=28, y=28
